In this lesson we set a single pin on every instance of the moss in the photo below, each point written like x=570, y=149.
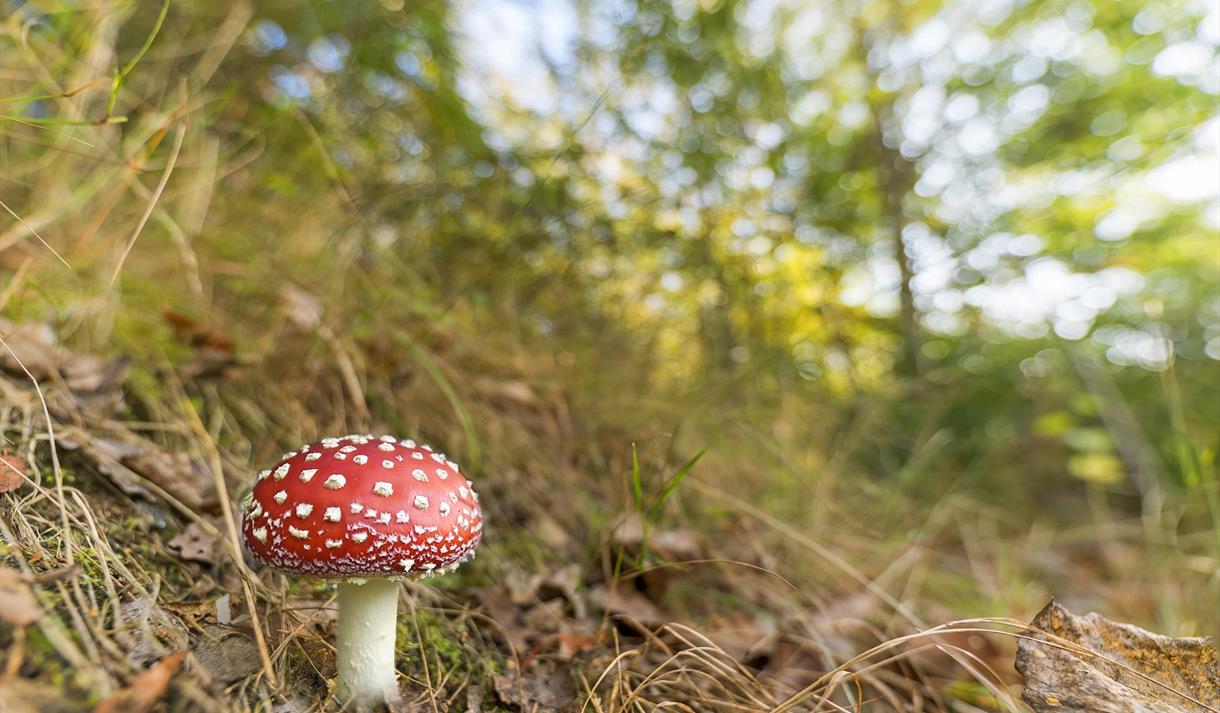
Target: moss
x=447, y=643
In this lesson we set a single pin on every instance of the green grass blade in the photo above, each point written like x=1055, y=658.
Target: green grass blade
x=131, y=64
x=637, y=483
x=675, y=480
x=424, y=359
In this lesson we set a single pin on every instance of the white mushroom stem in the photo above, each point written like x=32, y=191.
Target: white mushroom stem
x=368, y=613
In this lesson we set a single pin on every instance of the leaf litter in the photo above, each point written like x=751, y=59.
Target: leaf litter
x=621, y=637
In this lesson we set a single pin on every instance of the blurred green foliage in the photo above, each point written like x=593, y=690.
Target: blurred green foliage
x=939, y=246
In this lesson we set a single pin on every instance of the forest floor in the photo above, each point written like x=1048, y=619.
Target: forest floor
x=605, y=582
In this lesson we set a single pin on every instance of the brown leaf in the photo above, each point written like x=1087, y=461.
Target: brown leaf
x=303, y=309
x=122, y=455
x=631, y=604
x=512, y=391
x=200, y=335
x=93, y=381
x=106, y=454
x=20, y=695
x=18, y=606
x=149, y=630
x=184, y=478
x=195, y=544
x=146, y=689
x=670, y=545
x=32, y=345
x=745, y=637
x=226, y=655
x=1089, y=663
x=541, y=689
x=12, y=472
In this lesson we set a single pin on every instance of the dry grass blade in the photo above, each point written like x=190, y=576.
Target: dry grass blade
x=34, y=232
x=179, y=136
x=233, y=539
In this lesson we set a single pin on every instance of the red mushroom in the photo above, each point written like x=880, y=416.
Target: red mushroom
x=368, y=511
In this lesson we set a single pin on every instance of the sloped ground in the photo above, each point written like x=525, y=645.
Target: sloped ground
x=119, y=526
x=119, y=553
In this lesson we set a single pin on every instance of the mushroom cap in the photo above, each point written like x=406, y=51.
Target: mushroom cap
x=362, y=506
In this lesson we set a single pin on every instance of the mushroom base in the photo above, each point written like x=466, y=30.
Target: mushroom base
x=368, y=615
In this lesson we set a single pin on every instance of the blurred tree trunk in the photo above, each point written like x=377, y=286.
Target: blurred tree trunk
x=715, y=325
x=897, y=176
x=897, y=180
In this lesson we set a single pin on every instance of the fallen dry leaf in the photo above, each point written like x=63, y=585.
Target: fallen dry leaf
x=12, y=472
x=92, y=381
x=149, y=631
x=124, y=456
x=32, y=345
x=20, y=695
x=18, y=606
x=1101, y=665
x=195, y=544
x=146, y=689
x=303, y=309
x=540, y=689
x=201, y=336
x=226, y=655
x=630, y=604
x=184, y=478
x=512, y=391
x=744, y=636
x=669, y=545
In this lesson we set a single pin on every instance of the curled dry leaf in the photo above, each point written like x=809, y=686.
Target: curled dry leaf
x=225, y=654
x=625, y=602
x=513, y=391
x=149, y=631
x=92, y=381
x=1089, y=663
x=123, y=457
x=18, y=606
x=303, y=309
x=12, y=472
x=146, y=689
x=200, y=335
x=670, y=545
x=20, y=695
x=184, y=478
x=540, y=689
x=196, y=544
x=31, y=345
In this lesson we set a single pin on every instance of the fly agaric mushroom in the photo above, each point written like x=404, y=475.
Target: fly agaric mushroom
x=369, y=512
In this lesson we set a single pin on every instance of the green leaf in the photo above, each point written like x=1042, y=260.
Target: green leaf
x=674, y=481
